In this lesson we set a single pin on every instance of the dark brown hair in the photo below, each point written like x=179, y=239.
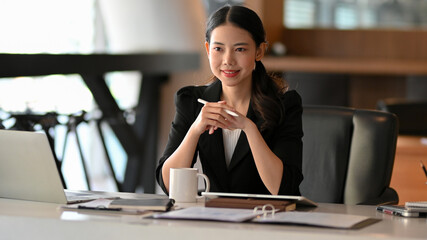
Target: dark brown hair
x=266, y=88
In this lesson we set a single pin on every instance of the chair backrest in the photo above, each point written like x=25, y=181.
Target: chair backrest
x=348, y=155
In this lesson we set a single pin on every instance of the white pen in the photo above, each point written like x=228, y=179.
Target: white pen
x=226, y=110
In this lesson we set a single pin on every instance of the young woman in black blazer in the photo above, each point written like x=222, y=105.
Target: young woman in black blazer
x=260, y=149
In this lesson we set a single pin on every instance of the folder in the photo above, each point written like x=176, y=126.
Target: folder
x=319, y=219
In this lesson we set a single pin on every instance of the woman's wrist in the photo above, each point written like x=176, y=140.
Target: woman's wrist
x=248, y=125
x=193, y=131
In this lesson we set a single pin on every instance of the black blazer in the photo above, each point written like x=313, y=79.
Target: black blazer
x=242, y=175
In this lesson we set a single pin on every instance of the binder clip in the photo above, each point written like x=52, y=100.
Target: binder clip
x=267, y=209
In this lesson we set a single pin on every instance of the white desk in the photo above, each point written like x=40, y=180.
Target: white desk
x=35, y=220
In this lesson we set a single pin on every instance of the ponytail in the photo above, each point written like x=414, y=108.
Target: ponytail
x=266, y=91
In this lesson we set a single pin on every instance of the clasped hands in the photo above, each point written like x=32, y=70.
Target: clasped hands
x=216, y=115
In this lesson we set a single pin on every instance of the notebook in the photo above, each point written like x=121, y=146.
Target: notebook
x=28, y=170
x=125, y=206
x=417, y=204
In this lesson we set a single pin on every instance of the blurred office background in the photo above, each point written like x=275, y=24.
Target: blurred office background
x=309, y=31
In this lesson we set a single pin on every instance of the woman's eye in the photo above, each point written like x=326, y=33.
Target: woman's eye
x=240, y=50
x=217, y=49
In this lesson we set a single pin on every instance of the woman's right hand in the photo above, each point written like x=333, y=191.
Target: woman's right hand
x=213, y=116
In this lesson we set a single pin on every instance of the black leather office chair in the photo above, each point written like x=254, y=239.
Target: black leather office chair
x=348, y=155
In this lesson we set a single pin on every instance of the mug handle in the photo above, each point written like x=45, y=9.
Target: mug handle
x=208, y=185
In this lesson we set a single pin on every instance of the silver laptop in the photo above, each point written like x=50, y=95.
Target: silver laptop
x=28, y=170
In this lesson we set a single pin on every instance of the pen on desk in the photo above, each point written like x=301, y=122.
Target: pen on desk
x=423, y=167
x=99, y=208
x=226, y=110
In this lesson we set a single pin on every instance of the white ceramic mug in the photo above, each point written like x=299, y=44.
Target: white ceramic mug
x=183, y=184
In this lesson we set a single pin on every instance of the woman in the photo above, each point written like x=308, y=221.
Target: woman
x=258, y=147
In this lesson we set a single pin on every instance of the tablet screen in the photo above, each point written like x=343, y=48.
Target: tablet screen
x=298, y=199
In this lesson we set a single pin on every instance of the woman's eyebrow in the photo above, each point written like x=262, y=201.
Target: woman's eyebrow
x=241, y=44
x=218, y=43
x=236, y=44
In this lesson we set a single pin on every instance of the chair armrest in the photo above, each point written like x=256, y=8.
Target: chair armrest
x=388, y=197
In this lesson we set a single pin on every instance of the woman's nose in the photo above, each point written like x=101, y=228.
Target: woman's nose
x=228, y=58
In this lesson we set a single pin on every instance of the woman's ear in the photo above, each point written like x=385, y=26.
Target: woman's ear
x=207, y=48
x=261, y=51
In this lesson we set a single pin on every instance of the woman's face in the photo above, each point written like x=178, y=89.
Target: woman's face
x=232, y=53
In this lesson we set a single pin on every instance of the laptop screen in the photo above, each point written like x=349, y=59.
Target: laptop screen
x=27, y=168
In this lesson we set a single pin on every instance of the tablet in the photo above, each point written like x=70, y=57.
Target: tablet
x=300, y=200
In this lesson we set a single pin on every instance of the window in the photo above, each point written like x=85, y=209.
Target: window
x=351, y=14
x=57, y=26
x=299, y=13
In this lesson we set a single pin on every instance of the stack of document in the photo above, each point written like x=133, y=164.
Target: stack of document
x=331, y=220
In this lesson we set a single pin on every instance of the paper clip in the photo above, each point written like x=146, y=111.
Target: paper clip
x=265, y=210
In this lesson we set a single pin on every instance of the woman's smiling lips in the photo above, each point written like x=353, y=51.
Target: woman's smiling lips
x=230, y=73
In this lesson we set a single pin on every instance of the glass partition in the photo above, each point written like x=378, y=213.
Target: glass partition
x=355, y=14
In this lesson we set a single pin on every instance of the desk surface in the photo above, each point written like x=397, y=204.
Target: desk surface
x=35, y=220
